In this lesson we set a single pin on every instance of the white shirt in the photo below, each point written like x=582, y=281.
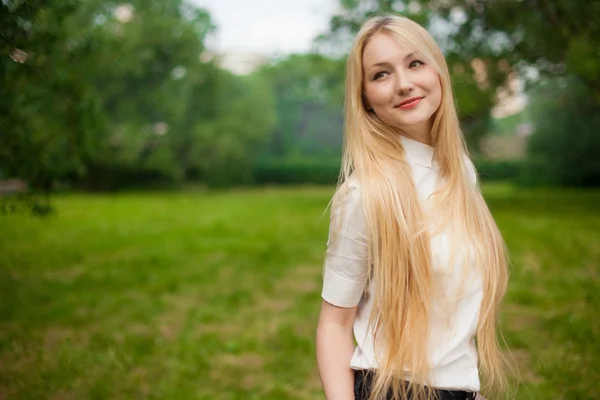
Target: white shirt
x=451, y=346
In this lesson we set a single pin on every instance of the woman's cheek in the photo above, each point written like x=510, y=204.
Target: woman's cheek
x=381, y=95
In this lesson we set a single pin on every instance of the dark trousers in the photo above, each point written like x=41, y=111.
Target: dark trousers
x=363, y=383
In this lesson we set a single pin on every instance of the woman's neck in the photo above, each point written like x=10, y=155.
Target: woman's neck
x=423, y=136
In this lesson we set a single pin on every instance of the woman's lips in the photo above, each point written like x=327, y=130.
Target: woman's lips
x=410, y=103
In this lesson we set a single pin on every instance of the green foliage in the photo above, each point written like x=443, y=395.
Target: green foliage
x=549, y=35
x=197, y=295
x=143, y=95
x=225, y=148
x=308, y=93
x=293, y=172
x=108, y=95
x=326, y=171
x=127, y=98
x=565, y=146
x=49, y=116
x=550, y=38
x=351, y=14
x=498, y=170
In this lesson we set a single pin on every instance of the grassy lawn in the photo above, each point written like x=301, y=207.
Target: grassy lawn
x=215, y=295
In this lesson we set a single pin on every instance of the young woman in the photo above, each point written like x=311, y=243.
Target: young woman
x=416, y=267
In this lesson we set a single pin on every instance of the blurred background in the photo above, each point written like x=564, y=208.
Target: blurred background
x=165, y=168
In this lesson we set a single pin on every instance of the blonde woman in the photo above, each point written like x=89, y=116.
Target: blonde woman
x=416, y=268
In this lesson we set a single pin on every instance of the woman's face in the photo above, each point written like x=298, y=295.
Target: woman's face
x=399, y=87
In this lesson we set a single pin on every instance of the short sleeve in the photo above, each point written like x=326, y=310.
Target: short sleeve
x=346, y=261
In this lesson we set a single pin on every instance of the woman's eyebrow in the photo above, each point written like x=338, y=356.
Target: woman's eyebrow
x=380, y=64
x=386, y=63
x=409, y=55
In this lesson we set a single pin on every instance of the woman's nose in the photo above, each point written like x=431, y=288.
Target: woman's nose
x=403, y=83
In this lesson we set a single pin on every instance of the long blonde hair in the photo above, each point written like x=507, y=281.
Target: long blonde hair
x=399, y=253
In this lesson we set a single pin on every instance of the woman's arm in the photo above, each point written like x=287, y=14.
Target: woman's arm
x=344, y=281
x=335, y=346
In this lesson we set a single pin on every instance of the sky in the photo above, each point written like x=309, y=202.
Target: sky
x=267, y=26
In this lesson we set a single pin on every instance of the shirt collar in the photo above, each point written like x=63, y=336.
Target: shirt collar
x=417, y=152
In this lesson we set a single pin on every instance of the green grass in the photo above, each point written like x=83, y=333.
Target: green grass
x=215, y=295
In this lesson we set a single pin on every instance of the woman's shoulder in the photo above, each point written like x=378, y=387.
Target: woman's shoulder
x=348, y=193
x=353, y=183
x=351, y=187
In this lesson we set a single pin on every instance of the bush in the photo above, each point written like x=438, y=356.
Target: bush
x=286, y=172
x=321, y=172
x=498, y=170
x=114, y=177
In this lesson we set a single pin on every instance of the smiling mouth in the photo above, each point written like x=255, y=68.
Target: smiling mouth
x=410, y=103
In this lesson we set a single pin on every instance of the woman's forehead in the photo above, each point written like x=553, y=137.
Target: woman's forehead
x=383, y=48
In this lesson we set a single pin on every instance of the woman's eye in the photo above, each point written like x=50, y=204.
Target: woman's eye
x=379, y=75
x=415, y=63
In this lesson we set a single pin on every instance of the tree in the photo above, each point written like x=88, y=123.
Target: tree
x=565, y=146
x=555, y=46
x=49, y=115
x=158, y=47
x=92, y=87
x=224, y=148
x=551, y=36
x=308, y=89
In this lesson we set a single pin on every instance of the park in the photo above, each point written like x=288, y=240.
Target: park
x=164, y=219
